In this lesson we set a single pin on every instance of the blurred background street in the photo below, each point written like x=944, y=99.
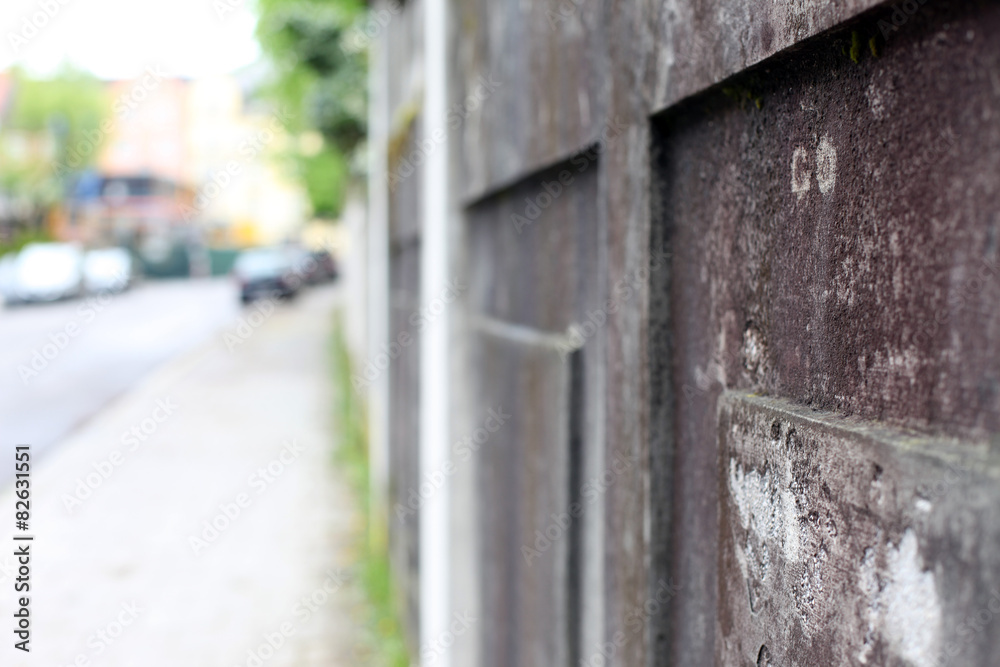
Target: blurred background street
x=131, y=335
x=224, y=525
x=176, y=181
x=505, y=333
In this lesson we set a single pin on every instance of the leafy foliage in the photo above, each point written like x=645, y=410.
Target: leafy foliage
x=383, y=640
x=49, y=125
x=322, y=84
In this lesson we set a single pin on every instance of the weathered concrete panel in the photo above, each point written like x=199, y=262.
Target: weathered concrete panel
x=534, y=248
x=832, y=216
x=401, y=351
x=843, y=542
x=524, y=489
x=404, y=453
x=694, y=44
x=550, y=65
x=527, y=86
x=533, y=262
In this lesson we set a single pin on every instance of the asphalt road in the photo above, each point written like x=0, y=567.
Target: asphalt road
x=251, y=440
x=60, y=363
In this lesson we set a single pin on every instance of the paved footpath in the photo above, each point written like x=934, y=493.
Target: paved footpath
x=219, y=532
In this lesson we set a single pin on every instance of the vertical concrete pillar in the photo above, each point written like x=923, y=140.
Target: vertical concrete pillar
x=435, y=561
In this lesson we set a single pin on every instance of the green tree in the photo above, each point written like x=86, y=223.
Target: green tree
x=322, y=83
x=47, y=120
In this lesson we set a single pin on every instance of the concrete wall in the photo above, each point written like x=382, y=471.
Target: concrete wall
x=659, y=213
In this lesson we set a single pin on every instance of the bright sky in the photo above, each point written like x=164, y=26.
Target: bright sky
x=117, y=39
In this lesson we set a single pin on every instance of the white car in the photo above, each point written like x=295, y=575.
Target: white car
x=43, y=272
x=107, y=270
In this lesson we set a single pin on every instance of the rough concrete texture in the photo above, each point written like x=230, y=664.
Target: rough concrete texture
x=832, y=215
x=694, y=45
x=812, y=238
x=405, y=326
x=841, y=238
x=529, y=277
x=524, y=488
x=557, y=61
x=533, y=249
x=844, y=542
x=527, y=87
x=129, y=541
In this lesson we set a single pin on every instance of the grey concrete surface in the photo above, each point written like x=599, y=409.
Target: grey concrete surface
x=241, y=441
x=847, y=542
x=823, y=177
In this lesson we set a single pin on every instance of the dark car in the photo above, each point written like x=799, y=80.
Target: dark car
x=326, y=266
x=266, y=272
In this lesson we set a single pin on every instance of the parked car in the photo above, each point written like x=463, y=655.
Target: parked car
x=303, y=265
x=327, y=266
x=8, y=264
x=108, y=270
x=266, y=272
x=43, y=272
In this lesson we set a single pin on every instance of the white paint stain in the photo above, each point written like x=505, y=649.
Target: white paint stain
x=876, y=101
x=905, y=610
x=913, y=611
x=767, y=507
x=869, y=585
x=753, y=350
x=826, y=165
x=825, y=168
x=801, y=171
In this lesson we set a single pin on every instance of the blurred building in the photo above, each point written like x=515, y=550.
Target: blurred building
x=141, y=212
x=244, y=196
x=152, y=123
x=680, y=329
x=201, y=135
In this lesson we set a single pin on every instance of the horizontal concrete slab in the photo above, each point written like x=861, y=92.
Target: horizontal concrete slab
x=843, y=542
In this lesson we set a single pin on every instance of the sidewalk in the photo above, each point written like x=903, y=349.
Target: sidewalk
x=218, y=535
